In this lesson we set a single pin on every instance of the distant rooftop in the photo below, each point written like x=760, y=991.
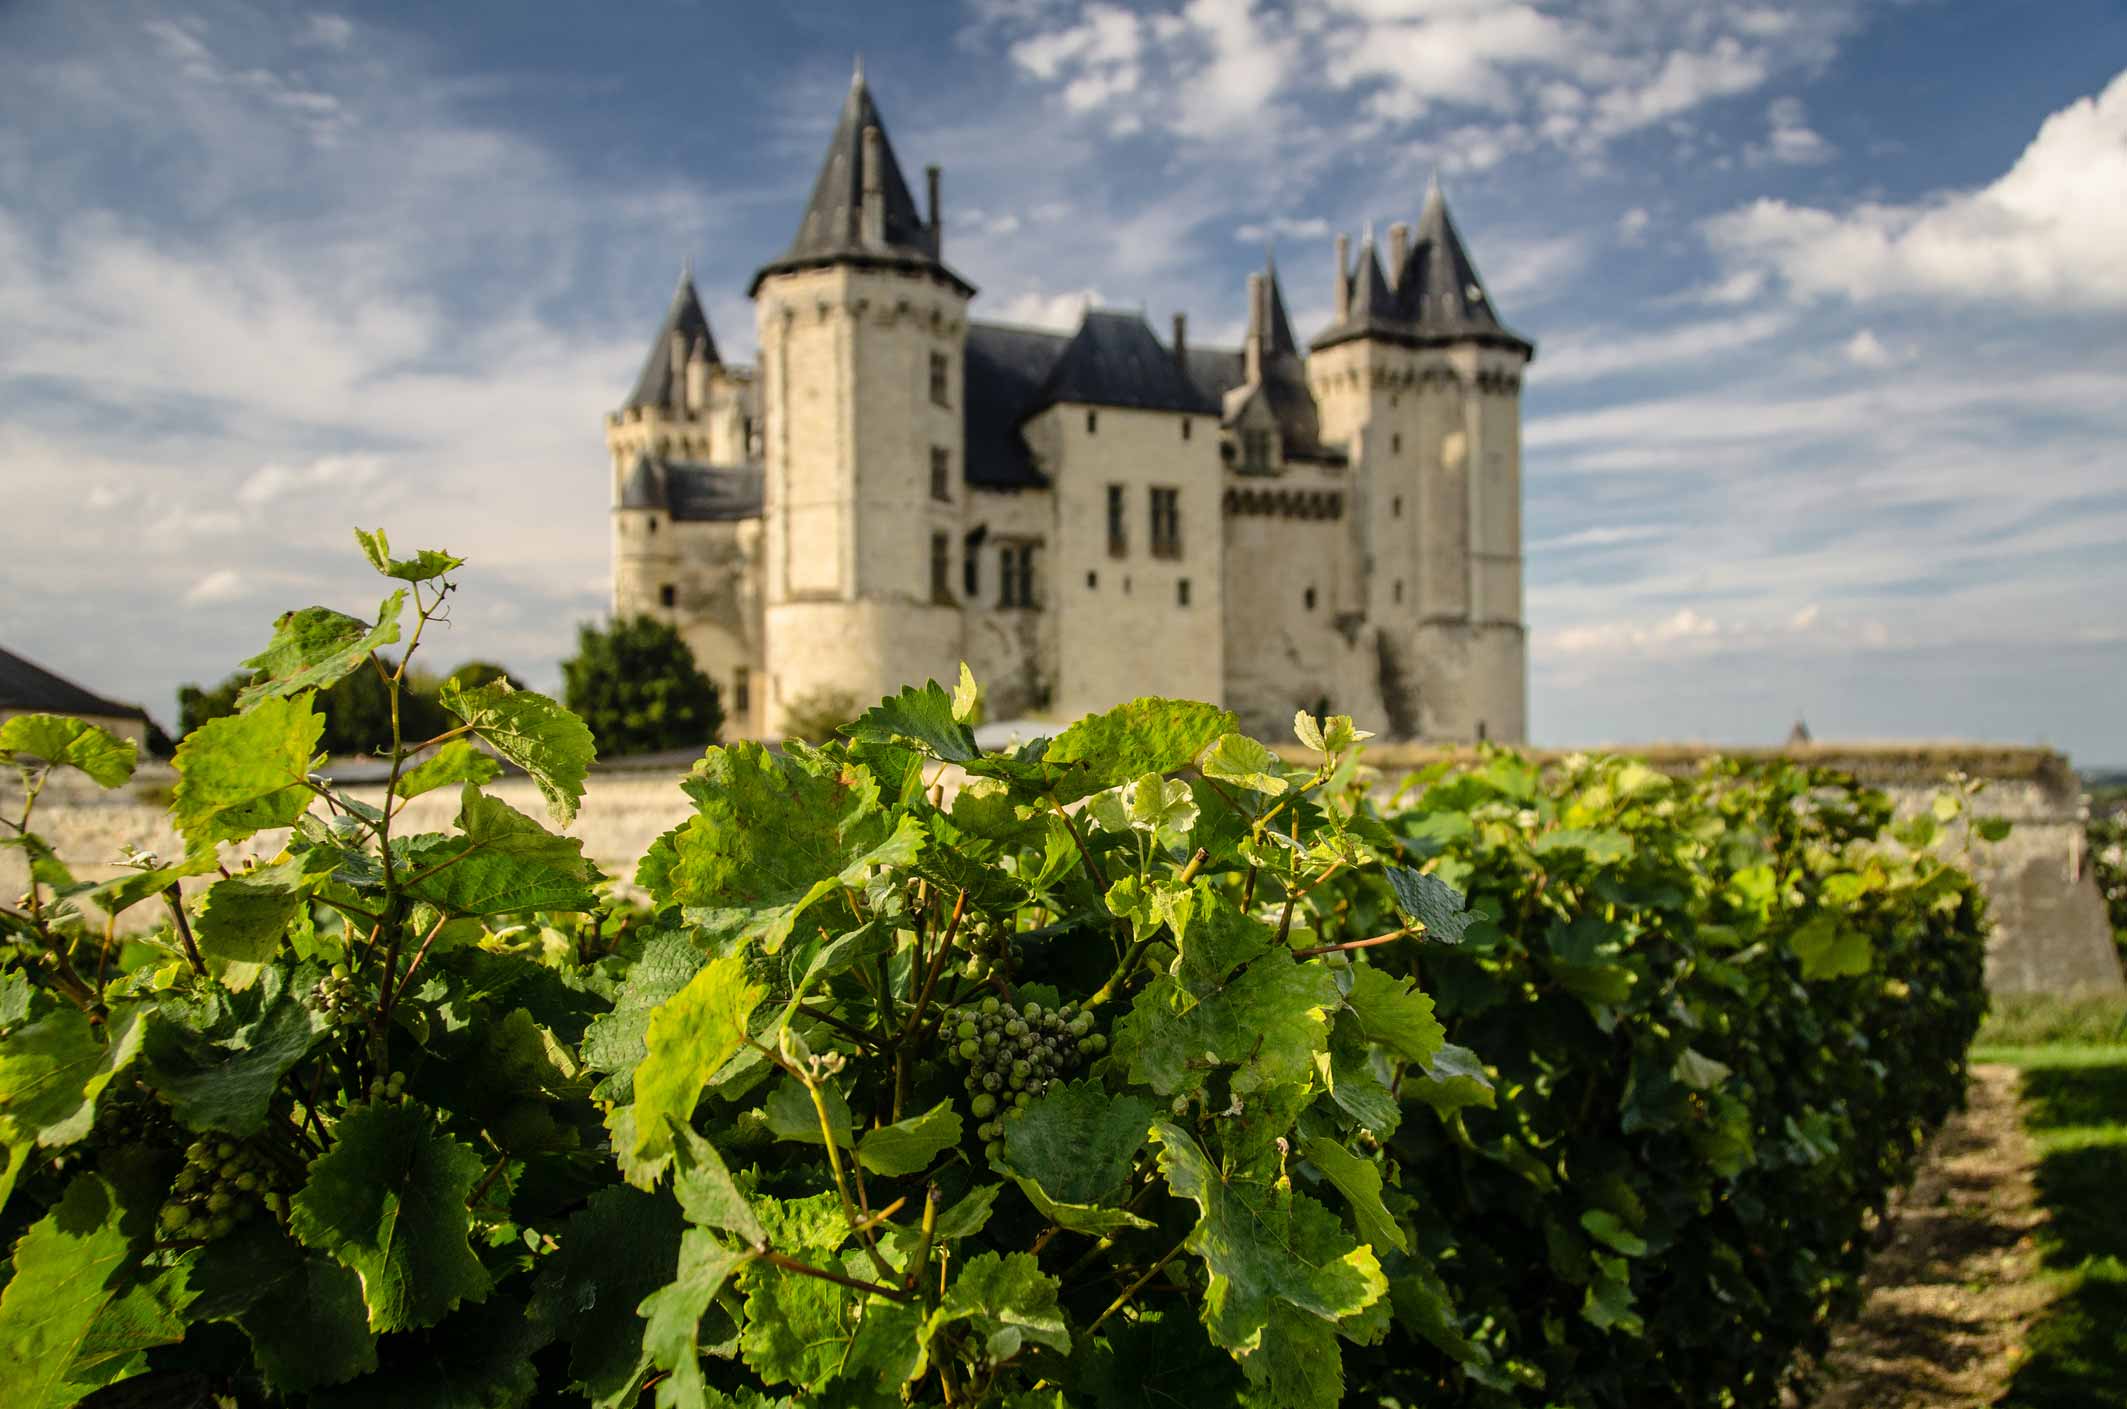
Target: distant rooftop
x=32, y=689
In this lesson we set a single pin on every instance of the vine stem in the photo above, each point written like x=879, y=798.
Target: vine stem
x=488, y=1181
x=1133, y=1289
x=174, y=898
x=398, y=990
x=859, y=1226
x=1092, y=866
x=806, y=1269
x=930, y=978
x=1390, y=937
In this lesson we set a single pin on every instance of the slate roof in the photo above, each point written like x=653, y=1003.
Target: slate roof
x=1004, y=369
x=832, y=229
x=1114, y=359
x=34, y=689
x=693, y=493
x=663, y=383
x=1217, y=371
x=1438, y=297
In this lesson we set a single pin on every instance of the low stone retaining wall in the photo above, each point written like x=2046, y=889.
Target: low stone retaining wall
x=2051, y=932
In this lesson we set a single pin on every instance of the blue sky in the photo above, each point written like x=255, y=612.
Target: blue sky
x=1829, y=412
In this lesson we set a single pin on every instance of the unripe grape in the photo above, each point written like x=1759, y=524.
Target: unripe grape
x=990, y=1040
x=993, y=1149
x=218, y=1201
x=174, y=1216
x=221, y=1227
x=1031, y=1011
x=225, y=1150
x=984, y=1105
x=965, y=1030
x=1020, y=1101
x=989, y=1006
x=247, y=1181
x=991, y=1081
x=968, y=1051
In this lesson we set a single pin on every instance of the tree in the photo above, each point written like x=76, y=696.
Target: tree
x=636, y=684
x=475, y=673
x=357, y=709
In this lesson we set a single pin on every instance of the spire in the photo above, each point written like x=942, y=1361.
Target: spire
x=1443, y=295
x=1280, y=331
x=1370, y=296
x=664, y=376
x=860, y=163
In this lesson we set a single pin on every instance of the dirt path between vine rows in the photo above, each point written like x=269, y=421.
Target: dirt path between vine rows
x=1952, y=1295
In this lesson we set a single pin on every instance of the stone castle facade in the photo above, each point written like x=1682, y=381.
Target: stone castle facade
x=1082, y=517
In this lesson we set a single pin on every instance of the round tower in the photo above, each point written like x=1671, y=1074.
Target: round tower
x=862, y=333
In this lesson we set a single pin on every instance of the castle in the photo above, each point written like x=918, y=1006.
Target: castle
x=1082, y=517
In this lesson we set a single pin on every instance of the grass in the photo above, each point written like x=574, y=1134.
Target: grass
x=2040, y=1021
x=2075, y=1106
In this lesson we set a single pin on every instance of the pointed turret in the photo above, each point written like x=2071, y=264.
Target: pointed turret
x=1438, y=291
x=683, y=337
x=861, y=211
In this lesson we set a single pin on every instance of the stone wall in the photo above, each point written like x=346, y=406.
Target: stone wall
x=2051, y=931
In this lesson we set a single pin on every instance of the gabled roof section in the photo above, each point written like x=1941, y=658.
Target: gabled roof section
x=832, y=228
x=1438, y=290
x=1003, y=370
x=664, y=383
x=33, y=689
x=1114, y=359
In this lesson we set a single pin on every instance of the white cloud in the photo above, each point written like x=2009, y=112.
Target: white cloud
x=327, y=31
x=271, y=482
x=1864, y=349
x=1685, y=80
x=1586, y=356
x=1312, y=227
x=1609, y=536
x=1789, y=140
x=2048, y=233
x=1036, y=309
x=221, y=585
x=1530, y=271
x=1632, y=225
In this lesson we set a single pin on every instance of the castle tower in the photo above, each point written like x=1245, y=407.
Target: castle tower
x=1420, y=381
x=862, y=336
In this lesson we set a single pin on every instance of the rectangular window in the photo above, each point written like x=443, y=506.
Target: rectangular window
x=941, y=474
x=1181, y=593
x=1185, y=428
x=741, y=691
x=1015, y=575
x=1166, y=523
x=938, y=375
x=971, y=574
x=941, y=568
x=1118, y=534
x=1255, y=450
x=1092, y=422
x=667, y=595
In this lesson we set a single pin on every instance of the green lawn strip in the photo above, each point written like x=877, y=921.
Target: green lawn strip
x=2075, y=1107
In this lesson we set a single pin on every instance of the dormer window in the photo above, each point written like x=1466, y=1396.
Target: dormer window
x=1255, y=450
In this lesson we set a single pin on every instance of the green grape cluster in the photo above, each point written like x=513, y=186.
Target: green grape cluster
x=1013, y=1053
x=223, y=1183
x=335, y=998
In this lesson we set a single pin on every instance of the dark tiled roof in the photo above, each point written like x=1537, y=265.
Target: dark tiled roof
x=1115, y=360
x=663, y=382
x=644, y=488
x=1438, y=297
x=1004, y=371
x=36, y=690
x=713, y=493
x=832, y=230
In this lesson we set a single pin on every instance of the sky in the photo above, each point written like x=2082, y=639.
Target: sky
x=1828, y=416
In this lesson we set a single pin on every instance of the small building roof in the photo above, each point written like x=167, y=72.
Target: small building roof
x=832, y=228
x=1003, y=372
x=32, y=689
x=1437, y=298
x=663, y=381
x=1115, y=359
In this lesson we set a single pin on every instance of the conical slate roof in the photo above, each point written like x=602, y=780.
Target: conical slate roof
x=1438, y=297
x=644, y=488
x=663, y=381
x=1281, y=338
x=832, y=229
x=1292, y=404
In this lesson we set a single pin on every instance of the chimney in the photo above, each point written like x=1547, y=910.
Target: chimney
x=931, y=175
x=874, y=189
x=1181, y=342
x=676, y=369
x=1253, y=354
x=1399, y=250
x=1344, y=277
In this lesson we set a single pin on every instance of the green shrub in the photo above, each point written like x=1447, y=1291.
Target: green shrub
x=635, y=683
x=818, y=715
x=1005, y=1103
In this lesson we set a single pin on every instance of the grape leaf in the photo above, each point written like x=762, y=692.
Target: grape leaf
x=672, y=1315
x=689, y=1037
x=618, y=1249
x=1452, y=1079
x=910, y=1145
x=1360, y=1182
x=1431, y=902
x=1143, y=736
x=1395, y=1014
x=1008, y=1301
x=1699, y=1071
x=420, y=567
x=1298, y=1365
x=1072, y=1150
x=244, y=916
x=616, y=1041
x=302, y=1311
x=244, y=772
x=66, y=1273
x=480, y=1357
x=52, y=1071
x=706, y=1192
x=798, y=1328
x=1238, y=759
x=924, y=717
x=316, y=646
x=791, y=1114
x=770, y=837
x=224, y=1078
x=1606, y=1227
x=1264, y=1244
x=1829, y=951
x=533, y=732
x=389, y=1201
x=1271, y=1019
x=459, y=761
x=149, y=1311
x=503, y=861
x=61, y=740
